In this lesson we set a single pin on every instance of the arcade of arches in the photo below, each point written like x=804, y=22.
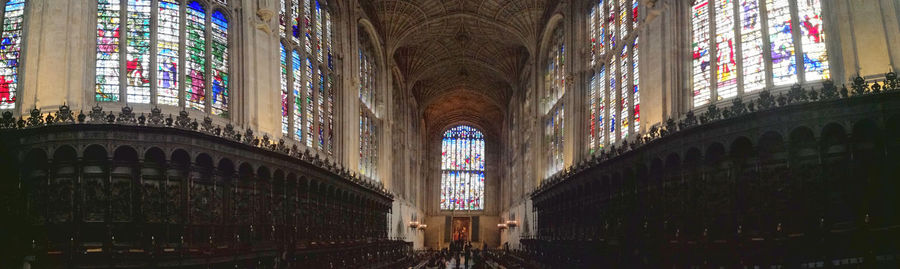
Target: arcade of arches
x=398, y=133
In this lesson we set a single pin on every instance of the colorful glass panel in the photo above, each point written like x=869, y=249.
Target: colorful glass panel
x=625, y=92
x=726, y=64
x=752, y=46
x=320, y=97
x=310, y=99
x=812, y=40
x=601, y=107
x=613, y=99
x=282, y=18
x=108, y=38
x=219, y=51
x=10, y=49
x=137, y=65
x=285, y=109
x=295, y=21
x=297, y=76
x=167, y=56
x=611, y=23
x=700, y=52
x=196, y=61
x=623, y=18
x=320, y=39
x=462, y=165
x=307, y=25
x=636, y=93
x=781, y=42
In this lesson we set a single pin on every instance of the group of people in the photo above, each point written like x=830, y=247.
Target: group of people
x=460, y=255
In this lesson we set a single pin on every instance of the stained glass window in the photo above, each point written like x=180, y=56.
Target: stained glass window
x=613, y=98
x=205, y=49
x=752, y=46
x=108, y=38
x=636, y=94
x=196, y=60
x=781, y=42
x=219, y=64
x=137, y=67
x=615, y=86
x=784, y=47
x=311, y=97
x=167, y=52
x=815, y=57
x=297, y=71
x=555, y=89
x=285, y=108
x=726, y=70
x=368, y=123
x=625, y=93
x=462, y=169
x=10, y=51
x=283, y=16
x=700, y=52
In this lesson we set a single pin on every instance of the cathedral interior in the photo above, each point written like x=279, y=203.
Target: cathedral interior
x=449, y=134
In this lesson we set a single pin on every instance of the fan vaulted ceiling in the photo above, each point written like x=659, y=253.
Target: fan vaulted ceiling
x=461, y=58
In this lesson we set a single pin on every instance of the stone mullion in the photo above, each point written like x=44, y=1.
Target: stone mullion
x=123, y=52
x=154, y=47
x=738, y=48
x=207, y=74
x=767, y=46
x=182, y=55
x=798, y=43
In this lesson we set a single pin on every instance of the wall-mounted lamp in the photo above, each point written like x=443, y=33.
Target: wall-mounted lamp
x=413, y=224
x=512, y=223
x=501, y=226
x=423, y=226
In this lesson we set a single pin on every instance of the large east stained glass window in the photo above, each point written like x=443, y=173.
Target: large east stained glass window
x=10, y=51
x=200, y=40
x=307, y=92
x=614, y=89
x=462, y=169
x=794, y=58
x=554, y=90
x=368, y=121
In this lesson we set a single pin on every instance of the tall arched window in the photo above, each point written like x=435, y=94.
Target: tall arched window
x=614, y=97
x=770, y=52
x=553, y=106
x=368, y=98
x=10, y=51
x=307, y=73
x=462, y=169
x=148, y=73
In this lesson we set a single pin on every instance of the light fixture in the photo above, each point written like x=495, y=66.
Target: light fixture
x=512, y=223
x=501, y=226
x=413, y=224
x=423, y=226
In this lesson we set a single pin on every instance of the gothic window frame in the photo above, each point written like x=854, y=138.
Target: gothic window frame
x=369, y=95
x=318, y=102
x=606, y=96
x=16, y=94
x=764, y=29
x=473, y=172
x=211, y=7
x=556, y=82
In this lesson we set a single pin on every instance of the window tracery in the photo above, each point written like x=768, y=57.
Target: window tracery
x=791, y=57
x=462, y=169
x=125, y=63
x=307, y=91
x=614, y=88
